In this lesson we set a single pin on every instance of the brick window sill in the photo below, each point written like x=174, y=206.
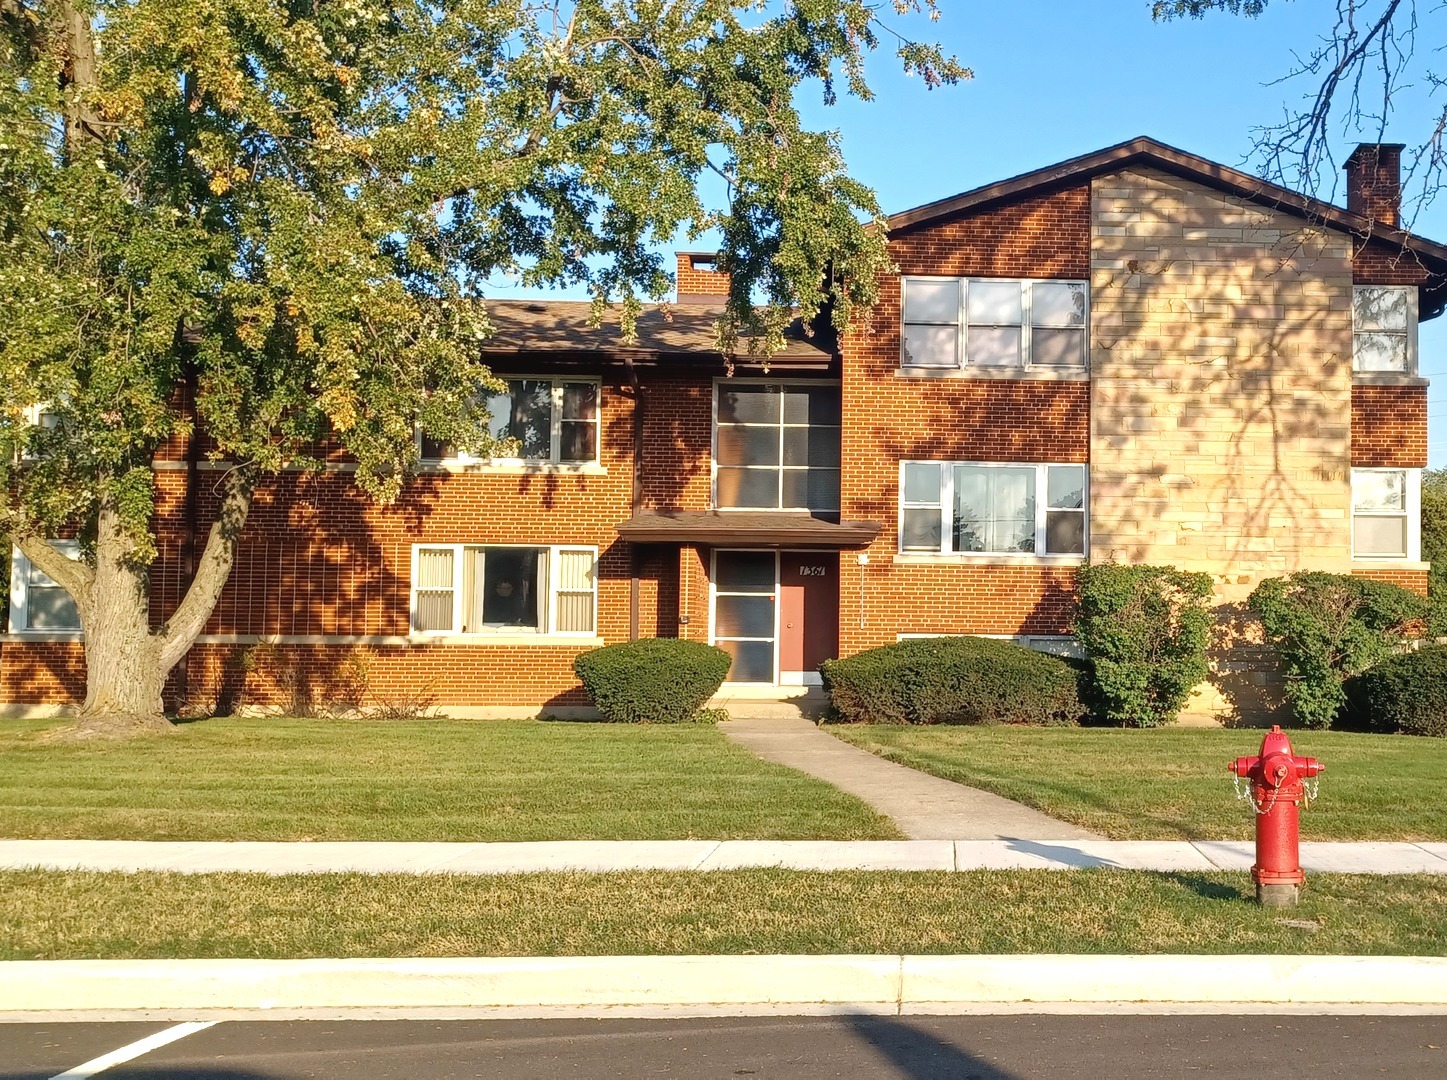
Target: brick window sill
x=988, y=560
x=1390, y=564
x=992, y=374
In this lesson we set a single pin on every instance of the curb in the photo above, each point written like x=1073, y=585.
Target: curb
x=888, y=984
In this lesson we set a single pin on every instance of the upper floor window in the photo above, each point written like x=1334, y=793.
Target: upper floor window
x=472, y=589
x=547, y=420
x=1384, y=321
x=37, y=602
x=977, y=323
x=1384, y=511
x=969, y=507
x=776, y=446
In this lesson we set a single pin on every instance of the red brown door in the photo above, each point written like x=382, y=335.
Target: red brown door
x=808, y=611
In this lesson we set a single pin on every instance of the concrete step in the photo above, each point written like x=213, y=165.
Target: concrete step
x=771, y=702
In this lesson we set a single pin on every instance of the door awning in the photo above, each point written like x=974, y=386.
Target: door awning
x=745, y=528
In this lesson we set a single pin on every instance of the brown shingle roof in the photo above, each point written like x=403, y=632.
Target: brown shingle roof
x=744, y=528
x=533, y=326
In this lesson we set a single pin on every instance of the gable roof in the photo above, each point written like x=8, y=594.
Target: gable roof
x=1149, y=152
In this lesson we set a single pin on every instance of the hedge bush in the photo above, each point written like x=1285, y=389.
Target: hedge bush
x=953, y=680
x=1145, y=630
x=1329, y=627
x=1405, y=694
x=653, y=680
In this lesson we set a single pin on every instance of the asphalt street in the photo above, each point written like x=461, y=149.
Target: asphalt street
x=1020, y=1047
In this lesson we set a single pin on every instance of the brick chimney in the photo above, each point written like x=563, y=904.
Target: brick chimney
x=1374, y=182
x=699, y=282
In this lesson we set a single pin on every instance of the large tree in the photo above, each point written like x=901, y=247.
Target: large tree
x=1373, y=73
x=287, y=211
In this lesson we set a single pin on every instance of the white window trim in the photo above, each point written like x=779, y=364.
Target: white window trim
x=947, y=510
x=508, y=635
x=1070, y=647
x=779, y=469
x=554, y=461
x=962, y=325
x=1412, y=492
x=1411, y=333
x=20, y=592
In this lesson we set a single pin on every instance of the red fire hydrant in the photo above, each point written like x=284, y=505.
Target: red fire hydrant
x=1277, y=789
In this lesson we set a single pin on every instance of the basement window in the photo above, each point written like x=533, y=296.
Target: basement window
x=471, y=589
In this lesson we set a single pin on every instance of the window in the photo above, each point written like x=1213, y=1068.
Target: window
x=1383, y=508
x=36, y=601
x=1383, y=320
x=548, y=420
x=776, y=446
x=469, y=589
x=975, y=508
x=978, y=323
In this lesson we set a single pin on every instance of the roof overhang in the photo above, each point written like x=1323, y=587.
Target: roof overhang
x=745, y=528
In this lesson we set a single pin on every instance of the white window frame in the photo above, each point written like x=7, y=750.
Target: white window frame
x=1410, y=333
x=1412, y=510
x=962, y=325
x=20, y=568
x=555, y=429
x=1062, y=645
x=781, y=468
x=554, y=552
x=947, y=510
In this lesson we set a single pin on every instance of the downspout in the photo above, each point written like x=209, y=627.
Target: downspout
x=634, y=559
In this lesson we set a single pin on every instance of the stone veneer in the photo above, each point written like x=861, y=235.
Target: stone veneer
x=1221, y=399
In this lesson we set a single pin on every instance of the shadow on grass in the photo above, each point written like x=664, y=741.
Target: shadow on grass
x=1206, y=888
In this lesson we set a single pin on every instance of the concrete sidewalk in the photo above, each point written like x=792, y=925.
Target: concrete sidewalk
x=599, y=856
x=924, y=807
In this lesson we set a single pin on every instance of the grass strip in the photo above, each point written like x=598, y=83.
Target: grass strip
x=1172, y=784
x=289, y=779
x=53, y=915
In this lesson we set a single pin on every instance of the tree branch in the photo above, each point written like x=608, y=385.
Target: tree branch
x=213, y=569
x=73, y=576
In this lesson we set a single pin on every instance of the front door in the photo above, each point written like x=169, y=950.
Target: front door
x=808, y=613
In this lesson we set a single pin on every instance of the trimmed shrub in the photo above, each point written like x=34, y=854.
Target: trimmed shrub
x=1145, y=630
x=652, y=680
x=952, y=680
x=1404, y=694
x=1329, y=627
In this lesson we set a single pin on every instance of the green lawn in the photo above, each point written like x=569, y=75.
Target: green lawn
x=281, y=779
x=46, y=915
x=1172, y=784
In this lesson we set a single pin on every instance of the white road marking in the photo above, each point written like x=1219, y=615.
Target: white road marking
x=135, y=1049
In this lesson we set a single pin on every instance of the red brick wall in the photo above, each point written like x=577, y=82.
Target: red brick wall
x=1416, y=580
x=888, y=418
x=319, y=558
x=1389, y=427
x=1380, y=262
x=699, y=280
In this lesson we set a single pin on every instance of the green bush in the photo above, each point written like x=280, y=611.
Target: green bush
x=952, y=680
x=1329, y=627
x=1145, y=630
x=653, y=680
x=1405, y=693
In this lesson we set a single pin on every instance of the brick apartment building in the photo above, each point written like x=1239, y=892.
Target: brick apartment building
x=1136, y=355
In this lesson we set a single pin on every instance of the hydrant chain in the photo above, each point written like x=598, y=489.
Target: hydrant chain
x=1279, y=783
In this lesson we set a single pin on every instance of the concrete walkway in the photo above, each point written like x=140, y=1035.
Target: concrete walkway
x=598, y=856
x=924, y=807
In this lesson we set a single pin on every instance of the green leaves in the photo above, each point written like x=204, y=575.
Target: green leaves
x=300, y=207
x=1329, y=627
x=1146, y=630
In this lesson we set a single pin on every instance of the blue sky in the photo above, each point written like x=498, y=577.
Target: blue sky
x=1054, y=79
